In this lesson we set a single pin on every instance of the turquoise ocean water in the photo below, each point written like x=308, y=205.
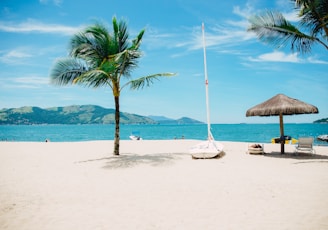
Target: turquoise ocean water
x=222, y=132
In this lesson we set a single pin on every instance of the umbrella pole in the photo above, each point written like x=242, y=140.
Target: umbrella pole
x=282, y=135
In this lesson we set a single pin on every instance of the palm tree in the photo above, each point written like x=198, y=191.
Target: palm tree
x=273, y=28
x=98, y=58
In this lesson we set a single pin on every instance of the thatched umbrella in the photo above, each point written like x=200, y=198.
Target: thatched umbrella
x=281, y=105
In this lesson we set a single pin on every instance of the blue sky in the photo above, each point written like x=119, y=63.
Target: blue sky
x=242, y=71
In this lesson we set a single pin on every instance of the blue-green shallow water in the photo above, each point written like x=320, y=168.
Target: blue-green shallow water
x=221, y=132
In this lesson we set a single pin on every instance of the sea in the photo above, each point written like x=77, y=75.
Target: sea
x=262, y=133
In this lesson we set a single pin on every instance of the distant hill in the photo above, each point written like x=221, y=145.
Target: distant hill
x=323, y=120
x=75, y=114
x=84, y=114
x=167, y=121
x=160, y=118
x=187, y=120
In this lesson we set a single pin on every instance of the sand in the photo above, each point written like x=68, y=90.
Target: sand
x=157, y=185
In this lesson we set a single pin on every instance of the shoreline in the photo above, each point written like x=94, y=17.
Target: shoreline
x=155, y=184
x=272, y=146
x=226, y=132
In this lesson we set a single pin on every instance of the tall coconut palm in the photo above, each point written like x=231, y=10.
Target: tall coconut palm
x=98, y=58
x=273, y=28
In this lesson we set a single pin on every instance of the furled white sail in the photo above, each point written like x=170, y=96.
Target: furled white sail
x=209, y=148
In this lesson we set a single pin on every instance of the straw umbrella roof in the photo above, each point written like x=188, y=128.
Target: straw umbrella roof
x=281, y=104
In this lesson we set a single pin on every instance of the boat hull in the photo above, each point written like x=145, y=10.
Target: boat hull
x=206, y=150
x=323, y=137
x=135, y=138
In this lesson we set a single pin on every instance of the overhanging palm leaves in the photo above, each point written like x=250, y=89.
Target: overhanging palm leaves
x=314, y=15
x=273, y=28
x=99, y=58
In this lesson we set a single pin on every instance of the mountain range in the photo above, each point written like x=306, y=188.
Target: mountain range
x=80, y=114
x=322, y=121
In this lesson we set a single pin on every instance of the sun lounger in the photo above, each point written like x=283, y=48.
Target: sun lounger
x=305, y=145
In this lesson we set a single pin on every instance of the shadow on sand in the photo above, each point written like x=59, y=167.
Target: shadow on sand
x=303, y=157
x=129, y=160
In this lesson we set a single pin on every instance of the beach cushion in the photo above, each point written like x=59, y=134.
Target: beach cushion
x=255, y=149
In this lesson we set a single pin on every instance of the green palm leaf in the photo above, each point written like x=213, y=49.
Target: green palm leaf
x=147, y=80
x=66, y=70
x=314, y=15
x=94, y=78
x=274, y=29
x=92, y=44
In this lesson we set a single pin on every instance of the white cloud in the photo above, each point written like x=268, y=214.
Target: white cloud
x=292, y=16
x=232, y=33
x=35, y=26
x=58, y=2
x=287, y=8
x=228, y=33
x=244, y=12
x=55, y=2
x=155, y=39
x=27, y=55
x=26, y=82
x=32, y=81
x=276, y=56
x=316, y=61
x=15, y=56
x=219, y=36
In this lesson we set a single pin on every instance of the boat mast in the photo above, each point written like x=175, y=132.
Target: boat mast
x=210, y=137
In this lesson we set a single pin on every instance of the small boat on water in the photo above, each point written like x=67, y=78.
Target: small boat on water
x=135, y=136
x=288, y=140
x=323, y=137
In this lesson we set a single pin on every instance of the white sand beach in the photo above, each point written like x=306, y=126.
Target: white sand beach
x=157, y=185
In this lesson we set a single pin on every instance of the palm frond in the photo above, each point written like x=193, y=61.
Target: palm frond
x=128, y=60
x=115, y=26
x=66, y=70
x=92, y=44
x=314, y=16
x=273, y=28
x=123, y=36
x=126, y=56
x=94, y=79
x=137, y=41
x=120, y=36
x=146, y=81
x=75, y=71
x=108, y=66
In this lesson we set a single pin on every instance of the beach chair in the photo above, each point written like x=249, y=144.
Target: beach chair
x=305, y=144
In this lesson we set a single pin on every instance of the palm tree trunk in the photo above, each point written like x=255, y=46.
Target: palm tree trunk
x=117, y=126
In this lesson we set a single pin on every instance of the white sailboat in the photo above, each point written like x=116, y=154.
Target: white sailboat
x=209, y=148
